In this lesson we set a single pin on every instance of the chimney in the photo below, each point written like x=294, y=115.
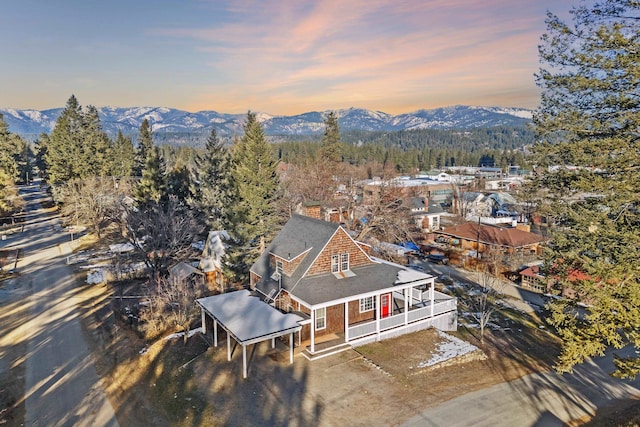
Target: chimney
x=312, y=210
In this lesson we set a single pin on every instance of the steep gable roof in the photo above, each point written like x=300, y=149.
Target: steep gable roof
x=301, y=235
x=308, y=237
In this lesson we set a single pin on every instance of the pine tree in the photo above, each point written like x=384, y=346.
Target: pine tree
x=152, y=188
x=254, y=220
x=12, y=152
x=213, y=189
x=179, y=184
x=145, y=145
x=123, y=156
x=12, y=163
x=96, y=147
x=330, y=146
x=41, y=145
x=588, y=166
x=64, y=147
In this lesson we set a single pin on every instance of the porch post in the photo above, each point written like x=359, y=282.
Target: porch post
x=378, y=317
x=244, y=361
x=203, y=318
x=431, y=294
x=313, y=330
x=346, y=321
x=407, y=294
x=215, y=333
x=291, y=348
x=273, y=343
x=228, y=346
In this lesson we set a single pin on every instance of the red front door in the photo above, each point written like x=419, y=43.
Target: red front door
x=385, y=305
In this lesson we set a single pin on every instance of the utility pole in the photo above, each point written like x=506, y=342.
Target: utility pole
x=478, y=244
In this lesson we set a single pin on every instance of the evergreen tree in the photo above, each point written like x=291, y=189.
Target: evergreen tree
x=145, y=145
x=330, y=146
x=13, y=152
x=589, y=169
x=41, y=145
x=179, y=184
x=12, y=163
x=123, y=156
x=64, y=147
x=254, y=220
x=213, y=189
x=96, y=148
x=151, y=188
x=78, y=147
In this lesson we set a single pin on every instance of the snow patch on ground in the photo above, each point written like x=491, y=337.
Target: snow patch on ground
x=96, y=277
x=448, y=348
x=192, y=332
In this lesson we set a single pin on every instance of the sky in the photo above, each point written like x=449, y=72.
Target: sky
x=281, y=57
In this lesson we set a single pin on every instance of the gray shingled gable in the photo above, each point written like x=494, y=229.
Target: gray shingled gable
x=325, y=287
x=300, y=235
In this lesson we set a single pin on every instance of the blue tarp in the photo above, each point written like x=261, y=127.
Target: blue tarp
x=410, y=245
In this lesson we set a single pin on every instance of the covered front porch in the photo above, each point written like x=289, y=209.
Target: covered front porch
x=397, y=311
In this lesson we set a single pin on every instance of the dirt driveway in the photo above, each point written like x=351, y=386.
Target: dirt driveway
x=373, y=385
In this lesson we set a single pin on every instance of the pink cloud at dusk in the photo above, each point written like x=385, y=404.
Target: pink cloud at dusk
x=391, y=56
x=278, y=56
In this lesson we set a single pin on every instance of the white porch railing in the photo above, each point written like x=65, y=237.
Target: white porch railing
x=416, y=295
x=398, y=320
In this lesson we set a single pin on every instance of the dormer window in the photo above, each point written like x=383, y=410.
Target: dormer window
x=339, y=262
x=344, y=262
x=340, y=265
x=335, y=263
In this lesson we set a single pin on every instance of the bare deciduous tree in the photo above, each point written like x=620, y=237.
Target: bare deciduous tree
x=483, y=302
x=162, y=233
x=386, y=217
x=172, y=303
x=95, y=202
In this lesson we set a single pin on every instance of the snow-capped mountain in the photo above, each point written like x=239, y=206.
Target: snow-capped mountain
x=31, y=123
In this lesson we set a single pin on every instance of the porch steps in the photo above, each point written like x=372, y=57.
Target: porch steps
x=319, y=354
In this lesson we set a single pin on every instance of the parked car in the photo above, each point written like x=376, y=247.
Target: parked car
x=438, y=259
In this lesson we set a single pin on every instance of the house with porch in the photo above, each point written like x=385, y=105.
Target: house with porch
x=343, y=296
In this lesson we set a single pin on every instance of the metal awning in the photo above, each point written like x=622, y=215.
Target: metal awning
x=248, y=320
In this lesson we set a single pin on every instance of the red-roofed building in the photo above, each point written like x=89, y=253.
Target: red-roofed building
x=488, y=237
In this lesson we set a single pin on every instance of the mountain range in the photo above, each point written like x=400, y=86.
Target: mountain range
x=31, y=123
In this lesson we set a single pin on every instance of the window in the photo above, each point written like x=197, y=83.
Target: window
x=340, y=262
x=279, y=267
x=321, y=318
x=335, y=263
x=366, y=304
x=344, y=262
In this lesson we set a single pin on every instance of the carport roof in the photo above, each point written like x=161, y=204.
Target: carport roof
x=247, y=318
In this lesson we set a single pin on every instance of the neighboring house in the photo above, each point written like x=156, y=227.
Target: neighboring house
x=504, y=239
x=425, y=214
x=407, y=187
x=532, y=280
x=315, y=269
x=211, y=260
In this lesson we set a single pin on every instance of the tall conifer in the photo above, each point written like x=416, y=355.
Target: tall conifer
x=588, y=170
x=145, y=144
x=254, y=219
x=213, y=189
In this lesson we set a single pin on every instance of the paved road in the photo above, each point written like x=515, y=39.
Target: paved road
x=519, y=298
x=542, y=399
x=62, y=387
